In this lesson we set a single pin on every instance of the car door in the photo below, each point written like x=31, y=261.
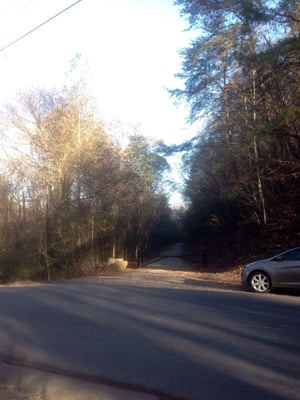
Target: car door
x=288, y=269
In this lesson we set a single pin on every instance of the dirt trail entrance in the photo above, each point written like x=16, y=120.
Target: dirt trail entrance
x=172, y=258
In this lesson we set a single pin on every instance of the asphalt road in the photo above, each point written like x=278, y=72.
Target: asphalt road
x=162, y=335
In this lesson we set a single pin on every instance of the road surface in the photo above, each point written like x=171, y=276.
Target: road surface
x=151, y=334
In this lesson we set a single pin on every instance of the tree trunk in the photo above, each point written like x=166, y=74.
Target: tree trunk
x=261, y=197
x=45, y=244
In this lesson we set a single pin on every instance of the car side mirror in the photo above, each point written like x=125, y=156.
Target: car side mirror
x=278, y=258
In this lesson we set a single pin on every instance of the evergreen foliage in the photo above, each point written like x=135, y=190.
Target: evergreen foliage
x=243, y=69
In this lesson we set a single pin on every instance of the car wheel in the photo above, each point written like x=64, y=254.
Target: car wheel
x=260, y=282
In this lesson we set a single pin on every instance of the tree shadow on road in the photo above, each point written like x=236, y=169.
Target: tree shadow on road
x=213, y=285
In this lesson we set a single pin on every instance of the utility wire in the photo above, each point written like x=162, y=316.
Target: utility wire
x=39, y=26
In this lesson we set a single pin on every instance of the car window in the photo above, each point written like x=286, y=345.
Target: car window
x=291, y=256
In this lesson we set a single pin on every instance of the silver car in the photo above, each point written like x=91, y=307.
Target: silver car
x=280, y=271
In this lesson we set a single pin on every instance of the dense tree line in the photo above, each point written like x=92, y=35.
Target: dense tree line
x=71, y=194
x=242, y=73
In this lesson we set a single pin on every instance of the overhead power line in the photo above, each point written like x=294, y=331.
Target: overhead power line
x=39, y=26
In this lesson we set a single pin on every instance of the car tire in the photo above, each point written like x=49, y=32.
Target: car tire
x=260, y=282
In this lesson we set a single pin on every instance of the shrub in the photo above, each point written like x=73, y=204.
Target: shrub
x=116, y=265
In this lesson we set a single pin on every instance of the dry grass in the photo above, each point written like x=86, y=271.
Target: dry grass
x=218, y=274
